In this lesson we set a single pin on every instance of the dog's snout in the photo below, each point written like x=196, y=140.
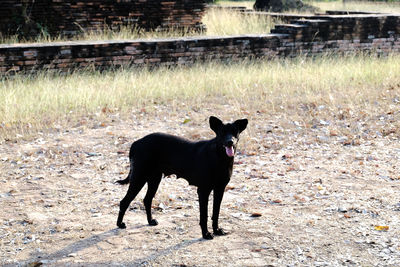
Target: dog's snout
x=229, y=141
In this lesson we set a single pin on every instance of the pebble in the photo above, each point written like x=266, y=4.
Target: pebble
x=342, y=209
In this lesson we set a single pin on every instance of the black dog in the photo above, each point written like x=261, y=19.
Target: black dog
x=205, y=164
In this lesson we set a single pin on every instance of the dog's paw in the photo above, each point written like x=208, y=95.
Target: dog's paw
x=121, y=225
x=220, y=231
x=208, y=236
x=153, y=222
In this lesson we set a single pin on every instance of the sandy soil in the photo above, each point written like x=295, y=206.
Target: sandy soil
x=316, y=192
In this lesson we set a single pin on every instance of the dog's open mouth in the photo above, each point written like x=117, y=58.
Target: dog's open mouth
x=230, y=152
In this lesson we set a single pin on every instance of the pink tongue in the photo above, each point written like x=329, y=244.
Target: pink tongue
x=229, y=151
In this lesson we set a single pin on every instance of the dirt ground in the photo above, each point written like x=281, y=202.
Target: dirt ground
x=317, y=192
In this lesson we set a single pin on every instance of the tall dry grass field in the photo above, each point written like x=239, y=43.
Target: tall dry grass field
x=29, y=104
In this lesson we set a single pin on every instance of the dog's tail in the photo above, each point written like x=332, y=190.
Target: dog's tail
x=127, y=179
x=124, y=181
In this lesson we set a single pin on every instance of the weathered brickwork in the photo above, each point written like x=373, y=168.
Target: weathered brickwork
x=342, y=27
x=69, y=17
x=336, y=34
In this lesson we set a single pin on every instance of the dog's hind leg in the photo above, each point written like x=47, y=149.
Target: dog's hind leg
x=134, y=188
x=152, y=186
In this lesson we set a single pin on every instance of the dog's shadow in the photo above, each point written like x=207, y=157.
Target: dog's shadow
x=95, y=239
x=169, y=250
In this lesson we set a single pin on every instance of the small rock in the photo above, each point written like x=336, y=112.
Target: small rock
x=35, y=264
x=256, y=214
x=92, y=154
x=324, y=123
x=342, y=139
x=343, y=209
x=162, y=207
x=359, y=157
x=322, y=138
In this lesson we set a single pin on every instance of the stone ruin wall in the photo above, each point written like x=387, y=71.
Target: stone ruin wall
x=311, y=36
x=27, y=18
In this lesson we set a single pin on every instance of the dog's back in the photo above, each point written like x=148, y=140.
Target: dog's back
x=169, y=154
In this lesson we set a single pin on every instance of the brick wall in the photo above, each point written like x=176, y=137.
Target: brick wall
x=69, y=17
x=336, y=34
x=342, y=27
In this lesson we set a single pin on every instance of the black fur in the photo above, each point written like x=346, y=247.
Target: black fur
x=205, y=164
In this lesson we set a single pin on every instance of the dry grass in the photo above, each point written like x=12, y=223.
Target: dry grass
x=33, y=103
x=247, y=4
x=386, y=7
x=228, y=22
x=125, y=32
x=383, y=7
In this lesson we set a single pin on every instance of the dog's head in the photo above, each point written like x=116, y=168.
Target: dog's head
x=227, y=134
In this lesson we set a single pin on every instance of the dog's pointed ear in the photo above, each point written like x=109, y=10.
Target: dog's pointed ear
x=215, y=124
x=241, y=124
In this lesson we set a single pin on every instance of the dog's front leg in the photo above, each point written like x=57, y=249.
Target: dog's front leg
x=203, y=203
x=218, y=194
